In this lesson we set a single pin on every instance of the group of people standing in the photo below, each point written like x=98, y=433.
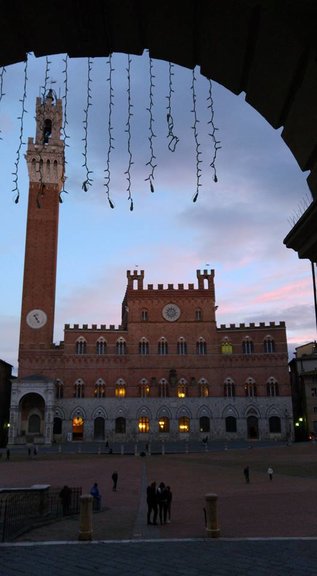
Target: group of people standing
x=159, y=503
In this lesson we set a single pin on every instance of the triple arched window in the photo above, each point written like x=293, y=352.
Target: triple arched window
x=101, y=346
x=269, y=345
x=182, y=346
x=79, y=391
x=247, y=346
x=143, y=347
x=81, y=346
x=201, y=346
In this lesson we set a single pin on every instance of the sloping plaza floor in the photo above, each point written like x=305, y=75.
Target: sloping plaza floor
x=266, y=527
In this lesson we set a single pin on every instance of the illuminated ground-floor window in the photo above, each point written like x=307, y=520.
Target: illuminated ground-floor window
x=184, y=424
x=164, y=424
x=144, y=424
x=78, y=428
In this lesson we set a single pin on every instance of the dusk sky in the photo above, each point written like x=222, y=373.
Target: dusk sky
x=235, y=227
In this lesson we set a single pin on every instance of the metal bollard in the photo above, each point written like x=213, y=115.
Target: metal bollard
x=85, y=522
x=212, y=528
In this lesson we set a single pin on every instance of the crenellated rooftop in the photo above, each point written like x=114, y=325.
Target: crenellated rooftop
x=94, y=327
x=205, y=282
x=252, y=326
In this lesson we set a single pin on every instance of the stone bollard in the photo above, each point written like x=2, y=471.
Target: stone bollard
x=212, y=528
x=85, y=522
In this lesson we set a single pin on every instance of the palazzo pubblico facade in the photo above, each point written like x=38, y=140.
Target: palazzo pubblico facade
x=167, y=372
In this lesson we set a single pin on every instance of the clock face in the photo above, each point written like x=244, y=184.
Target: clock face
x=171, y=312
x=36, y=318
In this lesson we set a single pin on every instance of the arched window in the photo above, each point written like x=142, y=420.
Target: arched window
x=120, y=425
x=182, y=388
x=226, y=346
x=204, y=388
x=204, y=424
x=144, y=315
x=121, y=347
x=79, y=388
x=143, y=347
x=163, y=388
x=247, y=346
x=144, y=424
x=183, y=424
x=272, y=387
x=182, y=347
x=231, y=424
x=198, y=314
x=162, y=347
x=201, y=346
x=47, y=130
x=229, y=388
x=99, y=389
x=275, y=425
x=101, y=346
x=120, y=389
x=59, y=389
x=269, y=345
x=250, y=387
x=81, y=346
x=144, y=388
x=163, y=424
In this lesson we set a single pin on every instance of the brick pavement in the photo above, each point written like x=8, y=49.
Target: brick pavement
x=282, y=508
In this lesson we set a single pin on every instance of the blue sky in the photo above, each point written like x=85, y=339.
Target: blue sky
x=236, y=226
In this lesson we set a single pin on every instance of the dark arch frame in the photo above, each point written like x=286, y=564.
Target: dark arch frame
x=265, y=48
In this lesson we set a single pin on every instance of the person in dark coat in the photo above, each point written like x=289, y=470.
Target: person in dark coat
x=66, y=496
x=246, y=473
x=151, y=499
x=94, y=491
x=114, y=481
x=169, y=497
x=162, y=502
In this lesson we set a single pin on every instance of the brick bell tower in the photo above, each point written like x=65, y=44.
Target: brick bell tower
x=45, y=161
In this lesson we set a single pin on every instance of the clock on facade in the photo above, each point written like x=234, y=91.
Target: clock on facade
x=36, y=318
x=171, y=312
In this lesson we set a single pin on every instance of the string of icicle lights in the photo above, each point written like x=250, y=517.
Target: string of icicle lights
x=118, y=85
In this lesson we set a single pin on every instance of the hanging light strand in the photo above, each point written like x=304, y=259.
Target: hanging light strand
x=2, y=73
x=88, y=181
x=21, y=143
x=110, y=129
x=212, y=134
x=64, y=126
x=197, y=144
x=128, y=131
x=40, y=191
x=151, y=136
x=173, y=139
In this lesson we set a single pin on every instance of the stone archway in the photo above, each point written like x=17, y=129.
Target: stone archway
x=265, y=48
x=31, y=410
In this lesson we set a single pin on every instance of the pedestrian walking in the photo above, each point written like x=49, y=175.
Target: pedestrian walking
x=151, y=499
x=270, y=472
x=162, y=502
x=114, y=481
x=66, y=496
x=94, y=491
x=169, y=497
x=246, y=473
